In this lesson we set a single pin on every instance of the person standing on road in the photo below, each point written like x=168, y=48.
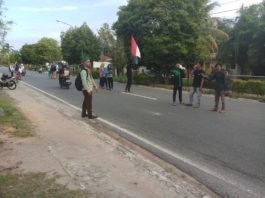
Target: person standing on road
x=89, y=86
x=220, y=85
x=110, y=77
x=197, y=85
x=177, y=75
x=129, y=77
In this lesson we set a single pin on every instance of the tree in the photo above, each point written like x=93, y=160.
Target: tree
x=246, y=45
x=216, y=35
x=46, y=50
x=29, y=55
x=4, y=27
x=107, y=39
x=119, y=59
x=77, y=40
x=166, y=31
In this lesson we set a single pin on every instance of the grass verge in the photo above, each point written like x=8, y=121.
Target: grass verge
x=36, y=185
x=210, y=91
x=13, y=121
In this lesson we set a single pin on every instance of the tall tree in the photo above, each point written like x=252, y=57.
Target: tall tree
x=246, y=45
x=4, y=27
x=29, y=55
x=165, y=30
x=77, y=40
x=119, y=59
x=46, y=50
x=107, y=39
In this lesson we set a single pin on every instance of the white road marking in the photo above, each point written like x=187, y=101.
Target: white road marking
x=141, y=96
x=156, y=114
x=180, y=157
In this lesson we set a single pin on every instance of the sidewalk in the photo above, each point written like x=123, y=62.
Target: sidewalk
x=85, y=157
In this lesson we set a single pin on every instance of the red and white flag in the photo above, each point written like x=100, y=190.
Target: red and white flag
x=135, y=49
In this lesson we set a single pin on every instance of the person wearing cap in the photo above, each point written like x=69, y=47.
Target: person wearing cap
x=177, y=74
x=197, y=85
x=89, y=86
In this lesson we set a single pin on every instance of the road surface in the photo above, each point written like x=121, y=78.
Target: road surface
x=226, y=151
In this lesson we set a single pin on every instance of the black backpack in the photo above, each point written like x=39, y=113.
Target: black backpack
x=78, y=81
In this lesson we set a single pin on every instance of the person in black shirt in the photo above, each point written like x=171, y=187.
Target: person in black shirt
x=129, y=77
x=220, y=86
x=197, y=85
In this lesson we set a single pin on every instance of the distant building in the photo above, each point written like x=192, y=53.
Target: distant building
x=104, y=58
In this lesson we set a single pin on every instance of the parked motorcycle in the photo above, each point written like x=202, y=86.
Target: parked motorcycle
x=7, y=81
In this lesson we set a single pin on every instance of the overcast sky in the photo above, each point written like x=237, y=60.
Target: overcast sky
x=34, y=19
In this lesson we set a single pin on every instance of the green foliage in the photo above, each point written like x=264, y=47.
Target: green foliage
x=5, y=60
x=46, y=50
x=166, y=31
x=36, y=185
x=144, y=79
x=121, y=78
x=95, y=73
x=106, y=38
x=77, y=40
x=119, y=59
x=4, y=26
x=14, y=118
x=246, y=44
x=251, y=86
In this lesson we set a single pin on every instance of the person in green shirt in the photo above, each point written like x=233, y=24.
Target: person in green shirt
x=176, y=75
x=89, y=86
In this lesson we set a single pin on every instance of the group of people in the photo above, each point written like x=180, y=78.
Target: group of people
x=53, y=71
x=17, y=69
x=199, y=77
x=106, y=76
x=178, y=73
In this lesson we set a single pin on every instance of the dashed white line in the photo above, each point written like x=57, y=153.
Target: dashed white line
x=141, y=96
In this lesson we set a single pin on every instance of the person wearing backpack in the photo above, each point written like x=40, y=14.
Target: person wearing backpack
x=89, y=86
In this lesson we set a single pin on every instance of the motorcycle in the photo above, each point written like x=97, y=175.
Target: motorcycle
x=7, y=81
x=64, y=78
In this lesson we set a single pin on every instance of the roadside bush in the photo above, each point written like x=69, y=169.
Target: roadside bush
x=251, y=86
x=95, y=73
x=121, y=78
x=144, y=79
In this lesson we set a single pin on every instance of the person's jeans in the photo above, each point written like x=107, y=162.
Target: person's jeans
x=198, y=92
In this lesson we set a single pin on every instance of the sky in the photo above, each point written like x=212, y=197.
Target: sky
x=35, y=19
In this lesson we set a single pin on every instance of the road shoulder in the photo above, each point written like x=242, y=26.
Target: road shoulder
x=86, y=158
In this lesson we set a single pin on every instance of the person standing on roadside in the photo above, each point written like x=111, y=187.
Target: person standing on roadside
x=110, y=77
x=89, y=86
x=129, y=77
x=220, y=85
x=177, y=75
x=197, y=85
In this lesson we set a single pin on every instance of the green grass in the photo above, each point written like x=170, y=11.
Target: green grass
x=14, y=118
x=211, y=91
x=36, y=185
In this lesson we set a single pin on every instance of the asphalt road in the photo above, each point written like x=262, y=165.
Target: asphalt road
x=226, y=151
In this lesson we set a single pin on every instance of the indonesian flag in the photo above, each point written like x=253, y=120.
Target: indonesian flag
x=135, y=48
